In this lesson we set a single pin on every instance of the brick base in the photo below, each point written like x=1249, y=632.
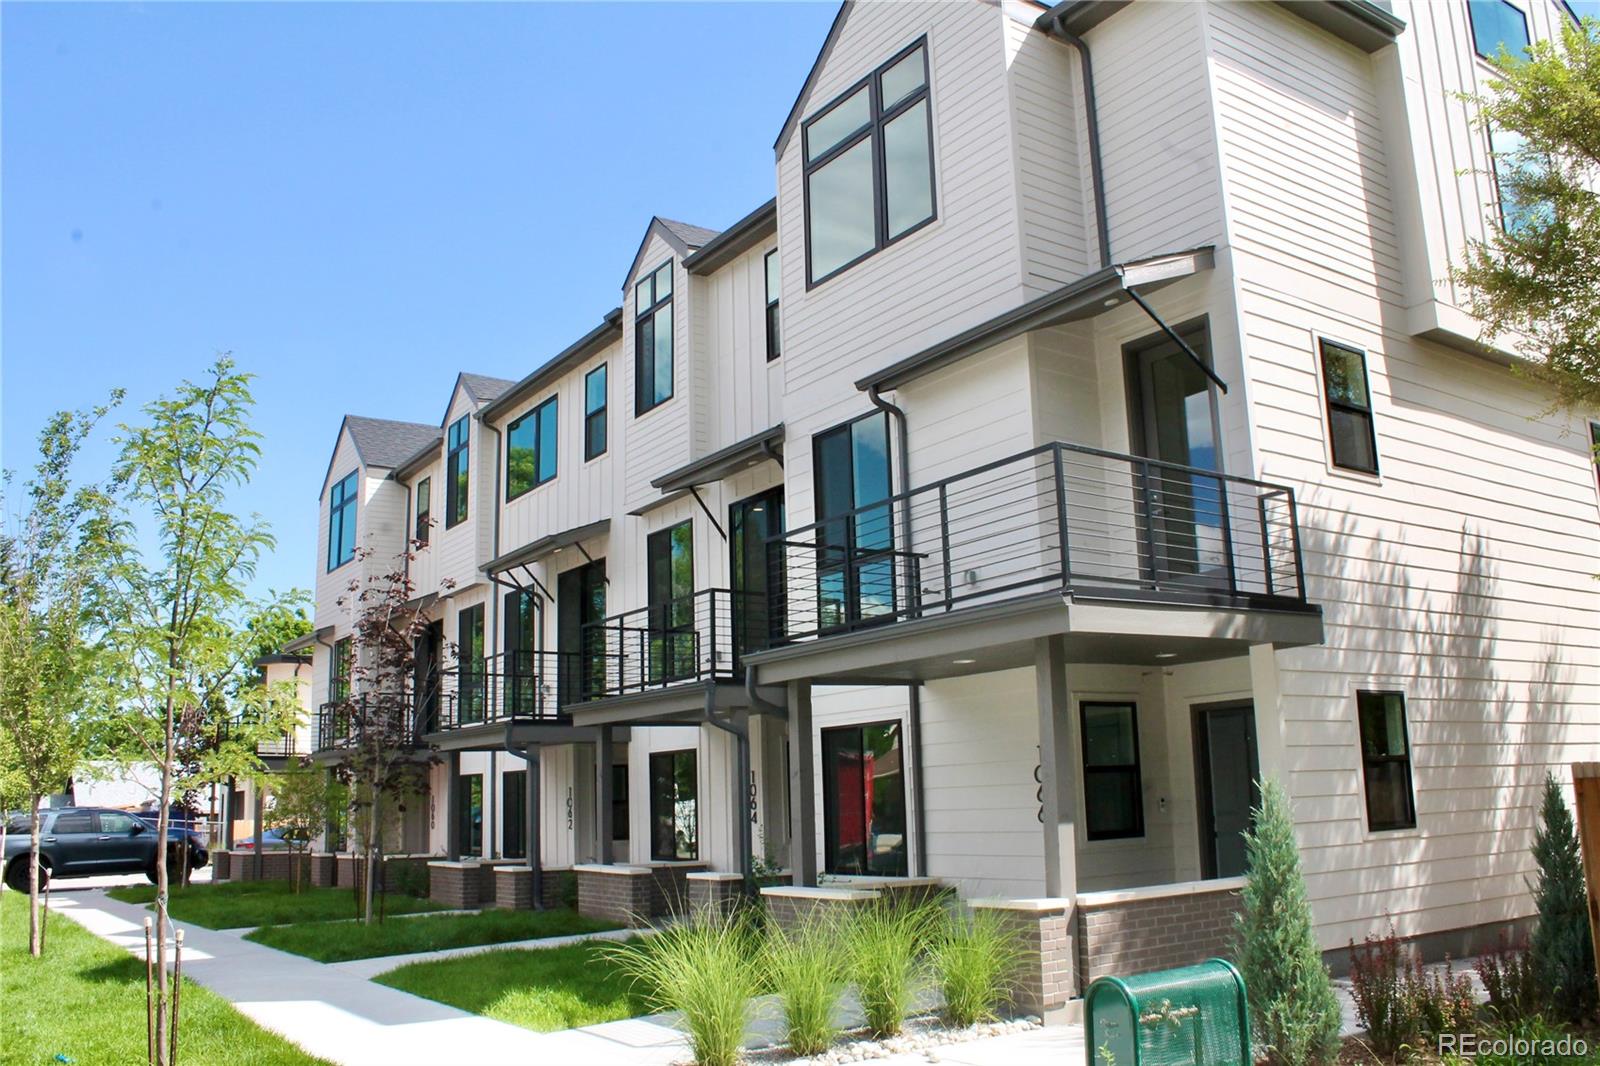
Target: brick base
x=790, y=906
x=624, y=894
x=275, y=866
x=1145, y=929
x=513, y=888
x=714, y=891
x=1044, y=980
x=220, y=865
x=458, y=885
x=559, y=887
x=323, y=872
x=670, y=894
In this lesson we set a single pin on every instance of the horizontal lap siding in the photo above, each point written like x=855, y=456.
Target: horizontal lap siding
x=662, y=438
x=1464, y=577
x=744, y=391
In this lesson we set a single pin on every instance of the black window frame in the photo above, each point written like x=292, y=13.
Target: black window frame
x=839, y=541
x=347, y=490
x=1346, y=407
x=832, y=847
x=422, y=532
x=458, y=466
x=341, y=660
x=619, y=802
x=769, y=262
x=1134, y=771
x=514, y=814
x=537, y=415
x=596, y=416
x=1594, y=450
x=873, y=129
x=650, y=313
x=656, y=853
x=1409, y=821
x=470, y=835
x=673, y=637
x=1472, y=28
x=471, y=670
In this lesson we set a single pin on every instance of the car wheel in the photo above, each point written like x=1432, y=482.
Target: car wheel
x=150, y=872
x=17, y=873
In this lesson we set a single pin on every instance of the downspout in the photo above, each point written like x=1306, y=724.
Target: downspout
x=1092, y=121
x=739, y=729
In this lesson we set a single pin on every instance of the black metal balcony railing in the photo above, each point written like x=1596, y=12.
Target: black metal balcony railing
x=1061, y=516
x=513, y=686
x=342, y=723
x=284, y=746
x=689, y=638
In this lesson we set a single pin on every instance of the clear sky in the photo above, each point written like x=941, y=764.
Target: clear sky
x=356, y=200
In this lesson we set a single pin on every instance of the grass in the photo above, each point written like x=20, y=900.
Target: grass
x=975, y=958
x=342, y=941
x=885, y=943
x=241, y=904
x=85, y=1000
x=803, y=969
x=545, y=989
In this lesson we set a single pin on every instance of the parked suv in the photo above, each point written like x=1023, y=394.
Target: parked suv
x=84, y=841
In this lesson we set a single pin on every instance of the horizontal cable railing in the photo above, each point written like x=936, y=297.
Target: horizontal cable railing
x=1061, y=516
x=688, y=638
x=390, y=716
x=532, y=686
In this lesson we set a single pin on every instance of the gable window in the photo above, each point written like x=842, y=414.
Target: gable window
x=1351, y=437
x=594, y=412
x=674, y=807
x=342, y=522
x=652, y=340
x=774, y=285
x=339, y=664
x=1112, y=793
x=864, y=800
x=1498, y=24
x=869, y=166
x=1386, y=760
x=424, y=510
x=457, y=477
x=531, y=450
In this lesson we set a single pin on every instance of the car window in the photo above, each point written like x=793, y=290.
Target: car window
x=116, y=822
x=73, y=823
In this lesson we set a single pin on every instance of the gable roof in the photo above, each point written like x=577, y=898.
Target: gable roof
x=483, y=388
x=691, y=236
x=811, y=78
x=743, y=235
x=683, y=238
x=608, y=331
x=381, y=442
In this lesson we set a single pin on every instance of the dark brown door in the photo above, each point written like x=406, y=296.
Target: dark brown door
x=1226, y=775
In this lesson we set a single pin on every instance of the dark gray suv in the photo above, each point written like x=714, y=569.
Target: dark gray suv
x=84, y=841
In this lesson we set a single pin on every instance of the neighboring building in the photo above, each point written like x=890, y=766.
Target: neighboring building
x=1001, y=500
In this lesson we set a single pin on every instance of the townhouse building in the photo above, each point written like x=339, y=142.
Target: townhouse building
x=1088, y=429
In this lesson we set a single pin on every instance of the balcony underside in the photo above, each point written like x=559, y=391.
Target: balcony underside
x=1097, y=627
x=686, y=703
x=486, y=736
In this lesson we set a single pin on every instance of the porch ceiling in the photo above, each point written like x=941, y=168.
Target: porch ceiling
x=492, y=736
x=980, y=640
x=684, y=704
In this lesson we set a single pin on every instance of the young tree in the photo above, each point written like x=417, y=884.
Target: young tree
x=1294, y=1012
x=180, y=638
x=51, y=567
x=1562, y=953
x=304, y=798
x=1535, y=277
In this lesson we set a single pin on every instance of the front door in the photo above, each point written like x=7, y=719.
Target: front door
x=580, y=642
x=1226, y=775
x=671, y=647
x=756, y=568
x=429, y=656
x=519, y=670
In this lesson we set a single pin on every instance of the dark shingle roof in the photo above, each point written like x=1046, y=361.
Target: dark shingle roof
x=693, y=236
x=386, y=443
x=484, y=388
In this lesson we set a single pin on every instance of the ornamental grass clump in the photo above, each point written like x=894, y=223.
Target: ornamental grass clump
x=976, y=961
x=886, y=945
x=707, y=969
x=804, y=971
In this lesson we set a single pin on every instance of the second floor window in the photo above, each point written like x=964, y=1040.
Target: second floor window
x=774, y=336
x=652, y=340
x=424, y=510
x=339, y=670
x=1351, y=438
x=457, y=478
x=594, y=412
x=869, y=165
x=1497, y=23
x=531, y=449
x=342, y=522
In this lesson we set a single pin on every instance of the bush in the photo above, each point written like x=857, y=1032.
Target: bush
x=1445, y=1001
x=885, y=943
x=1563, y=955
x=1399, y=1003
x=705, y=968
x=1294, y=1011
x=803, y=968
x=976, y=960
x=1507, y=976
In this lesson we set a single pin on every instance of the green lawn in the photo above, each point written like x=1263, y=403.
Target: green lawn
x=544, y=989
x=85, y=1000
x=237, y=904
x=342, y=941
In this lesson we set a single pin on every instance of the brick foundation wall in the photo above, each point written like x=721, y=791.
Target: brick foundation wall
x=323, y=872
x=714, y=891
x=790, y=907
x=1140, y=930
x=1044, y=980
x=670, y=894
x=513, y=888
x=458, y=885
x=623, y=894
x=274, y=866
x=557, y=883
x=220, y=867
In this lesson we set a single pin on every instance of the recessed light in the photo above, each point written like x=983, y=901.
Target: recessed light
x=1114, y=301
x=1166, y=655
x=963, y=662
x=555, y=551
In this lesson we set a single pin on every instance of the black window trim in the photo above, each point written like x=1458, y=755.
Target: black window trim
x=346, y=502
x=603, y=411
x=450, y=519
x=829, y=857
x=422, y=526
x=639, y=407
x=1137, y=769
x=673, y=754
x=1472, y=29
x=774, y=325
x=1411, y=786
x=536, y=412
x=1329, y=404
x=876, y=121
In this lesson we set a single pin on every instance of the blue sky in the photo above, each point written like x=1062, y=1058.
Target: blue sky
x=356, y=200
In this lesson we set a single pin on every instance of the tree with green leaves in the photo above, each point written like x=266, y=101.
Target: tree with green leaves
x=51, y=599
x=1533, y=282
x=1293, y=1010
x=1561, y=950
x=304, y=798
x=180, y=636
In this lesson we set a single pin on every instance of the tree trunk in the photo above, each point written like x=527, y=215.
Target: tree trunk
x=168, y=754
x=372, y=850
x=35, y=937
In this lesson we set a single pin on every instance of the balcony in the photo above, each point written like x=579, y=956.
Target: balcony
x=510, y=687
x=386, y=717
x=699, y=637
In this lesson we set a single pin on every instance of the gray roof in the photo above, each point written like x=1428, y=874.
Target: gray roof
x=386, y=443
x=484, y=388
x=693, y=236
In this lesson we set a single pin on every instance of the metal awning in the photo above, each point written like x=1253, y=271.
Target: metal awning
x=719, y=464
x=528, y=554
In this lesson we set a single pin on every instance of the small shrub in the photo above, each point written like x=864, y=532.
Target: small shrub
x=886, y=943
x=1508, y=978
x=1530, y=1041
x=706, y=969
x=803, y=968
x=1444, y=998
x=976, y=960
x=1563, y=954
x=1379, y=984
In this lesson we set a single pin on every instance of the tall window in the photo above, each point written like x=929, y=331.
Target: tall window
x=669, y=566
x=339, y=664
x=869, y=166
x=580, y=608
x=456, y=473
x=342, y=522
x=756, y=570
x=424, y=510
x=1594, y=448
x=469, y=813
x=652, y=340
x=619, y=801
x=594, y=412
x=531, y=449
x=470, y=666
x=1386, y=760
x=774, y=286
x=1505, y=152
x=864, y=800
x=1113, y=797
x=514, y=800
x=855, y=562
x=674, y=810
x=1350, y=434
x=1497, y=23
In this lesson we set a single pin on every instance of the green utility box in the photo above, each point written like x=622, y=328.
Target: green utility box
x=1191, y=1016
